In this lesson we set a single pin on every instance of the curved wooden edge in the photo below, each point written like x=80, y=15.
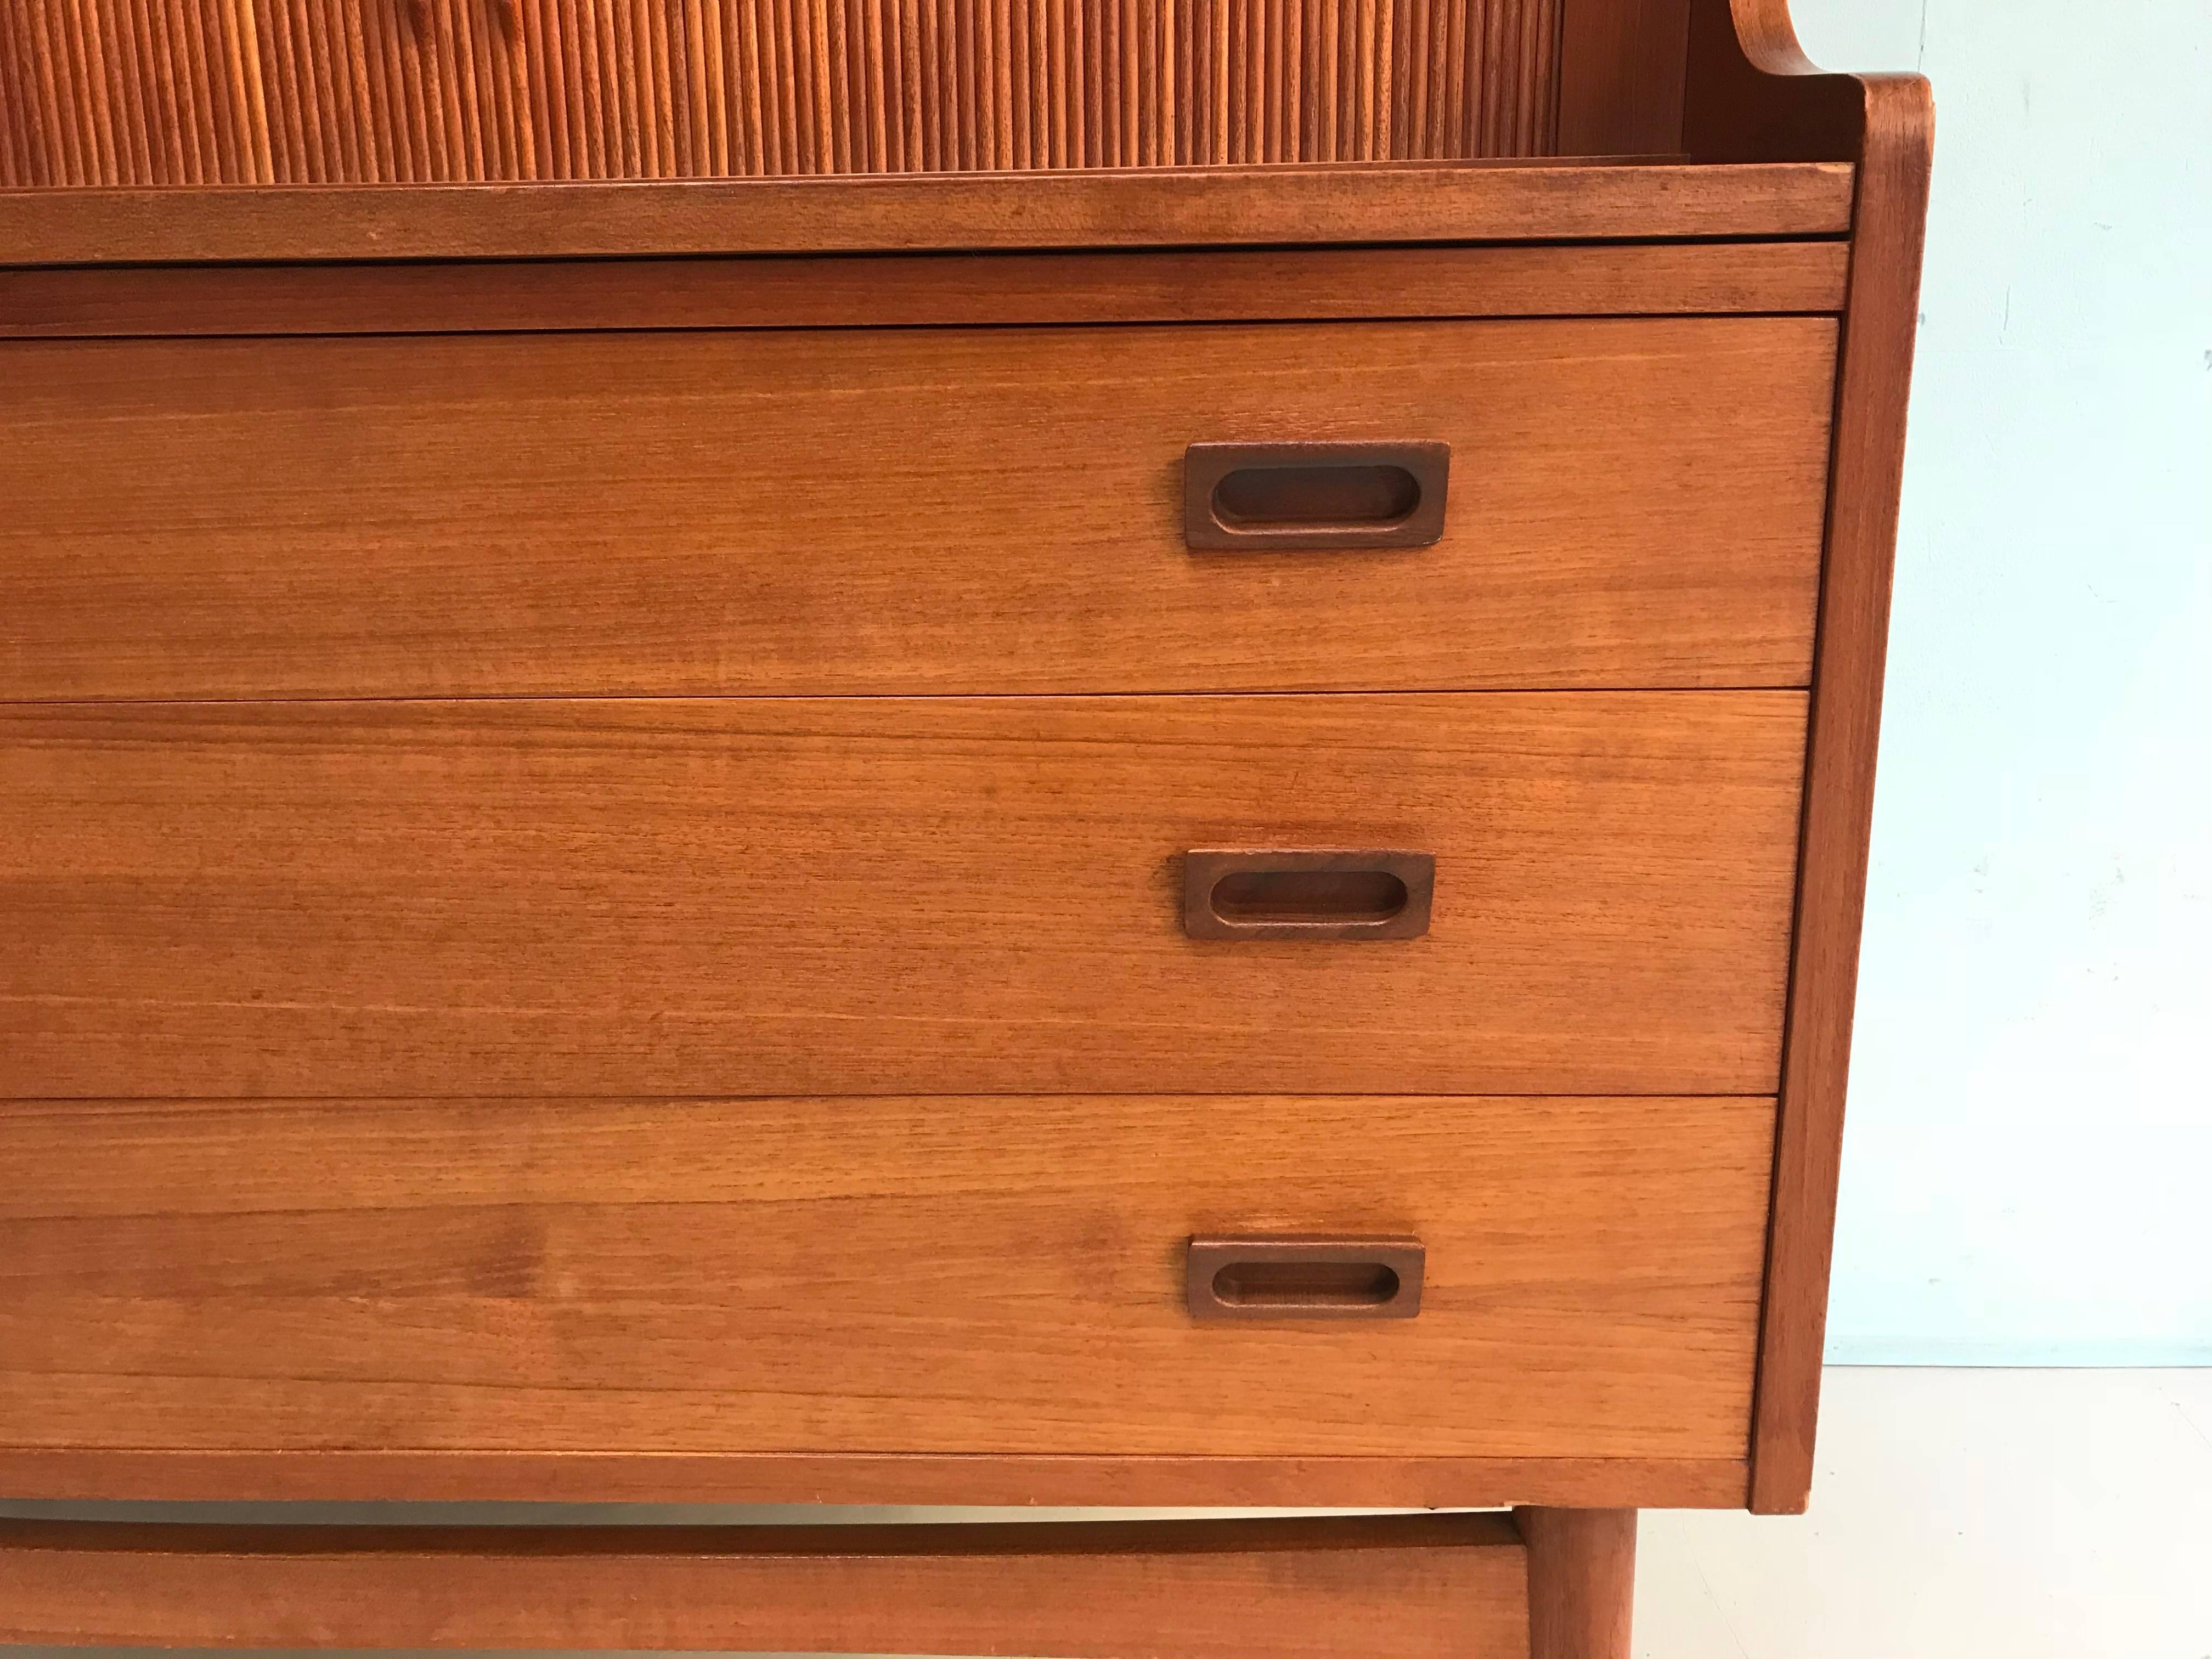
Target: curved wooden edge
x=1752, y=93
x=86, y=1476
x=1392, y=202
x=1415, y=1586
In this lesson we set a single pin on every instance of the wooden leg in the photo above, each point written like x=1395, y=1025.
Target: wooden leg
x=1582, y=1580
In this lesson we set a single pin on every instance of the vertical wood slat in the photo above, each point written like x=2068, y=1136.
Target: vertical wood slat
x=203, y=105
x=89, y=59
x=17, y=167
x=144, y=32
x=129, y=100
x=57, y=106
x=161, y=92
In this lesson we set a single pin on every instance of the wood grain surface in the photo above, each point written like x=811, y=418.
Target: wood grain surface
x=1632, y=503
x=896, y=290
x=78, y=1474
x=1204, y=207
x=1869, y=466
x=1582, y=1581
x=1444, y=1587
x=1754, y=96
x=455, y=1000
x=882, y=895
x=316, y=91
x=932, y=1274
x=1620, y=75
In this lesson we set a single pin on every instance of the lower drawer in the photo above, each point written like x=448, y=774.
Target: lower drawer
x=893, y=896
x=946, y=1274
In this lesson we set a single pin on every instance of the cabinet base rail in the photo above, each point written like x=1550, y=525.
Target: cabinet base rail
x=1532, y=1584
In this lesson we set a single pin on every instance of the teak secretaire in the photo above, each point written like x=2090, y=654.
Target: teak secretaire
x=920, y=751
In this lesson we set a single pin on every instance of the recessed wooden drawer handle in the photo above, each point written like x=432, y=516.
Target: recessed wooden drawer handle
x=1316, y=495
x=1237, y=893
x=1300, y=1276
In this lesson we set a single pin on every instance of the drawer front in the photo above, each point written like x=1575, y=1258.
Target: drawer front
x=985, y=1274
x=785, y=896
x=1631, y=503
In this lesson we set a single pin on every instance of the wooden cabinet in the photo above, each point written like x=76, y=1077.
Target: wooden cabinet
x=1076, y=754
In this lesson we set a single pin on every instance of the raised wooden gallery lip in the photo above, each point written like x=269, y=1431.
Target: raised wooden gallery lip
x=1546, y=201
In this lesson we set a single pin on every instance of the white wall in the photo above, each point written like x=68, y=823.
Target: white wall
x=2027, y=1171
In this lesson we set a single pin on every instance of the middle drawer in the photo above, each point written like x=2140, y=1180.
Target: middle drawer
x=917, y=895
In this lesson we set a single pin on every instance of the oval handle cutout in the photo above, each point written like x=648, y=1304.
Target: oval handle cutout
x=1350, y=497
x=1304, y=1276
x=1306, y=1284
x=1307, y=896
x=1314, y=496
x=1234, y=893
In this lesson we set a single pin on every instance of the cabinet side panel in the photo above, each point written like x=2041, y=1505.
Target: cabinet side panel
x=1852, y=642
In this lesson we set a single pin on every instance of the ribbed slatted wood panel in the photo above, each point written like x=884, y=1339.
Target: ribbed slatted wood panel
x=138, y=92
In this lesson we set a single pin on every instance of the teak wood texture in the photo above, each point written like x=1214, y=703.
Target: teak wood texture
x=898, y=291
x=503, y=907
x=1753, y=95
x=1582, y=1581
x=1869, y=459
x=1105, y=1481
x=1164, y=207
x=1621, y=67
x=700, y=897
x=188, y=92
x=1633, y=503
x=935, y=1274
x=1446, y=1586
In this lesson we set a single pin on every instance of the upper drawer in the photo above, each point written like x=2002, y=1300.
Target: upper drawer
x=862, y=895
x=1632, y=503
